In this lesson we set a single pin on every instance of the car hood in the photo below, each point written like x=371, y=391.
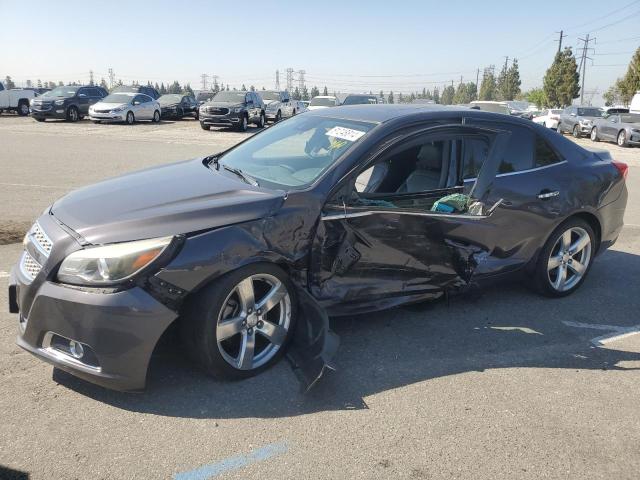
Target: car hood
x=169, y=105
x=108, y=106
x=222, y=104
x=173, y=199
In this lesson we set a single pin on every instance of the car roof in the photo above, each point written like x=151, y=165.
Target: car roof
x=383, y=112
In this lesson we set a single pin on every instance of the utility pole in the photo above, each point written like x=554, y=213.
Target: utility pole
x=301, y=80
x=583, y=63
x=289, y=79
x=204, y=78
x=90, y=77
x=278, y=80
x=562, y=35
x=112, y=78
x=506, y=63
x=477, y=86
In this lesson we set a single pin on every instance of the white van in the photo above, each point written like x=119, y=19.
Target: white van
x=634, y=107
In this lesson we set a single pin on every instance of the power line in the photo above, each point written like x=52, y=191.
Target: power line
x=601, y=17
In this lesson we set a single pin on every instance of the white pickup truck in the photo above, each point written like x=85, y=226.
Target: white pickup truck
x=15, y=100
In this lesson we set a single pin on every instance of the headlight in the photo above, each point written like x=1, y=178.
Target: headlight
x=112, y=263
x=59, y=102
x=237, y=110
x=585, y=122
x=119, y=109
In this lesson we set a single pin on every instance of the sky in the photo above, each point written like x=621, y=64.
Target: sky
x=353, y=46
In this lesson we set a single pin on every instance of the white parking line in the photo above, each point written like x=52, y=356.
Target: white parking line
x=32, y=185
x=618, y=332
x=4, y=274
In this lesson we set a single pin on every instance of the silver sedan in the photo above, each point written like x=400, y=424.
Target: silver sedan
x=622, y=128
x=126, y=107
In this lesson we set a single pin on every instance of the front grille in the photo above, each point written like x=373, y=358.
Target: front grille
x=30, y=268
x=217, y=110
x=102, y=111
x=41, y=240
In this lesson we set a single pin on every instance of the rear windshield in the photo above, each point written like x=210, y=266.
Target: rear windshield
x=589, y=112
x=360, y=100
x=322, y=102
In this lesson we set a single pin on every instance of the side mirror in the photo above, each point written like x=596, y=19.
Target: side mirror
x=136, y=102
x=572, y=114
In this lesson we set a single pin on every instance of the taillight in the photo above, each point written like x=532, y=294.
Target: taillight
x=622, y=167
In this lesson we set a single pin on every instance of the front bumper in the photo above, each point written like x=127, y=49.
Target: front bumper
x=220, y=120
x=107, y=117
x=585, y=129
x=117, y=330
x=58, y=112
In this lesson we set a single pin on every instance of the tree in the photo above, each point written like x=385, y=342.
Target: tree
x=614, y=96
x=630, y=83
x=537, y=97
x=325, y=92
x=400, y=98
x=561, y=80
x=252, y=88
x=188, y=90
x=488, y=86
x=305, y=93
x=508, y=84
x=39, y=83
x=244, y=89
x=29, y=84
x=436, y=95
x=296, y=94
x=447, y=95
x=314, y=92
x=390, y=99
x=465, y=93
x=8, y=83
x=162, y=90
x=381, y=94
x=103, y=84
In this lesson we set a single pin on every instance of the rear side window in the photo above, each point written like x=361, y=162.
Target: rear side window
x=518, y=155
x=545, y=155
x=475, y=152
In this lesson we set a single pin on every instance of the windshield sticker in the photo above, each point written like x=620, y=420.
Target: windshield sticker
x=345, y=133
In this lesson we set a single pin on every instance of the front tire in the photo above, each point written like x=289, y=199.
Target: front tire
x=594, y=135
x=622, y=139
x=72, y=114
x=565, y=259
x=156, y=117
x=262, y=121
x=241, y=323
x=576, y=131
x=131, y=119
x=40, y=119
x=243, y=124
x=205, y=127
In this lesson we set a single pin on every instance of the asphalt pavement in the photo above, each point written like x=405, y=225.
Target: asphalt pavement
x=501, y=384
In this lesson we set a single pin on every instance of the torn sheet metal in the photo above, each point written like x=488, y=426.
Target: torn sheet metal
x=314, y=345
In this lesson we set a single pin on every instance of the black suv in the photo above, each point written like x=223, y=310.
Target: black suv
x=233, y=109
x=178, y=106
x=67, y=103
x=146, y=89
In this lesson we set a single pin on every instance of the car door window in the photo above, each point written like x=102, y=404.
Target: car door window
x=518, y=156
x=545, y=155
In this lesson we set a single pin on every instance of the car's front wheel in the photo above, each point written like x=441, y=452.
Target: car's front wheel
x=594, y=135
x=622, y=138
x=576, y=131
x=204, y=126
x=565, y=259
x=23, y=108
x=243, y=124
x=130, y=118
x=156, y=116
x=262, y=121
x=72, y=114
x=241, y=323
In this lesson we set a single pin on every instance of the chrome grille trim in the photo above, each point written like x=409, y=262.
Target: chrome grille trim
x=29, y=267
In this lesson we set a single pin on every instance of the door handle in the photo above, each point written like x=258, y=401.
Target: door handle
x=546, y=194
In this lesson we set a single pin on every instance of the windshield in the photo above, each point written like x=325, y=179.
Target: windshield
x=630, y=118
x=61, y=92
x=117, y=98
x=126, y=88
x=322, y=102
x=270, y=95
x=296, y=152
x=556, y=111
x=169, y=99
x=204, y=96
x=589, y=112
x=229, y=97
x=360, y=100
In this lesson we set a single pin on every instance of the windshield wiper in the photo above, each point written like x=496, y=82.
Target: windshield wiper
x=248, y=179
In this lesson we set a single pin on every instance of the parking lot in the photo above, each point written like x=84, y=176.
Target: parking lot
x=501, y=384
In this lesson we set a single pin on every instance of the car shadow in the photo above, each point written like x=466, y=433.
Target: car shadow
x=503, y=327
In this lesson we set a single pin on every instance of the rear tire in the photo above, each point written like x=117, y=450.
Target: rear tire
x=224, y=301
x=23, y=108
x=262, y=121
x=565, y=259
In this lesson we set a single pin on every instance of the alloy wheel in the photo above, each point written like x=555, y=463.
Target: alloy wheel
x=569, y=259
x=73, y=114
x=576, y=132
x=24, y=109
x=254, y=321
x=156, y=116
x=594, y=135
x=130, y=118
x=622, y=139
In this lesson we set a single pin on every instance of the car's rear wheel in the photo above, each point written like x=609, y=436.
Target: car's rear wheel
x=241, y=323
x=72, y=114
x=130, y=118
x=622, y=138
x=156, y=116
x=576, y=131
x=278, y=117
x=23, y=108
x=594, y=135
x=565, y=260
x=204, y=126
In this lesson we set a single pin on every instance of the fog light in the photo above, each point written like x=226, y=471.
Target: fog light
x=76, y=349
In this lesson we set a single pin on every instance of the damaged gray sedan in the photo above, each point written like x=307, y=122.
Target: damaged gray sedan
x=334, y=212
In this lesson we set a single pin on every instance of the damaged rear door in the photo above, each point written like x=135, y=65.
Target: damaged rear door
x=380, y=244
